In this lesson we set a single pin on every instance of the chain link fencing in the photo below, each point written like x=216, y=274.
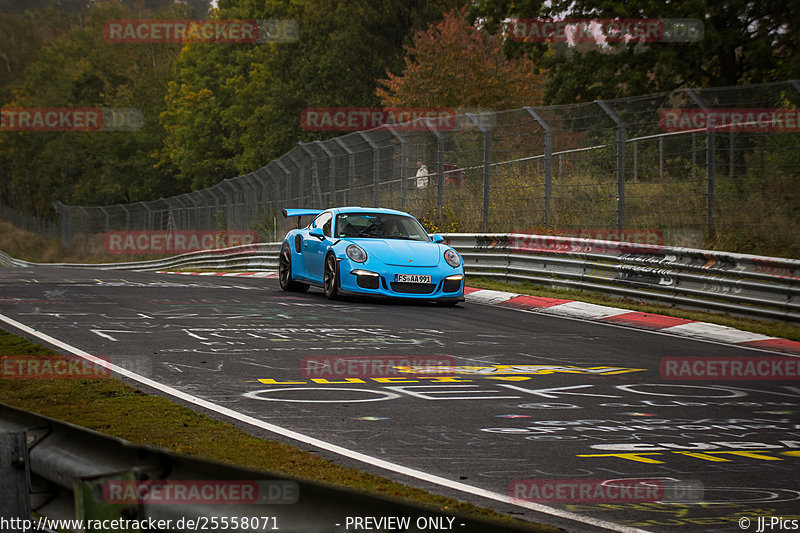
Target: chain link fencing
x=612, y=169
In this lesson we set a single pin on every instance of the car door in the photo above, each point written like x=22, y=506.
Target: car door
x=314, y=248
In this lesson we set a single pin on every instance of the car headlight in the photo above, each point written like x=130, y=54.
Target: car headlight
x=356, y=253
x=452, y=258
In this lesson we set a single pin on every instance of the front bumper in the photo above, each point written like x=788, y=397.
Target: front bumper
x=372, y=278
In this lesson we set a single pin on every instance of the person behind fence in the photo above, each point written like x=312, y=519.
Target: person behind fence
x=422, y=175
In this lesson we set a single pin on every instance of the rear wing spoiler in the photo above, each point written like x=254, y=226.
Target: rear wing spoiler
x=300, y=213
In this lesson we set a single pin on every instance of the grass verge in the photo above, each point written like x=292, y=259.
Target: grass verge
x=774, y=329
x=115, y=408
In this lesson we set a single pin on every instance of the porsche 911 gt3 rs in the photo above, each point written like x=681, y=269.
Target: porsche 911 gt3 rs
x=369, y=251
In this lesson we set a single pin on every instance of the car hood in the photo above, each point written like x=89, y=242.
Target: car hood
x=403, y=253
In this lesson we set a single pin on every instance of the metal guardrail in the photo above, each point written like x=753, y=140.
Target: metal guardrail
x=766, y=287
x=65, y=472
x=246, y=257
x=756, y=286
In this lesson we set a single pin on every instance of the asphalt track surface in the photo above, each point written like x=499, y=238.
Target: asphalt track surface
x=531, y=397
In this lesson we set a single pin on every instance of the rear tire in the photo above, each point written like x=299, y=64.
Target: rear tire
x=285, y=271
x=331, y=277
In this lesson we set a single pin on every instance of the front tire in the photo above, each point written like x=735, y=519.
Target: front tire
x=331, y=277
x=285, y=271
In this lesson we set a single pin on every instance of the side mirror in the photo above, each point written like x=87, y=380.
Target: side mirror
x=317, y=232
x=437, y=238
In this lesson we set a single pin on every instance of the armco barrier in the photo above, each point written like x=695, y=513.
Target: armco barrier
x=767, y=287
x=65, y=472
x=757, y=286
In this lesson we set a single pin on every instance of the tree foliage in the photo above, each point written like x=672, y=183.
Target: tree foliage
x=744, y=42
x=80, y=69
x=232, y=108
x=454, y=64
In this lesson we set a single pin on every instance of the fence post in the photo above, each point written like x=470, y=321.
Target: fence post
x=439, y=173
x=331, y=174
x=301, y=201
x=316, y=190
x=487, y=162
x=286, y=189
x=730, y=154
x=351, y=171
x=711, y=170
x=231, y=210
x=208, y=207
x=376, y=166
x=403, y=167
x=548, y=163
x=195, y=210
x=620, y=162
x=276, y=192
x=635, y=160
x=108, y=219
x=65, y=221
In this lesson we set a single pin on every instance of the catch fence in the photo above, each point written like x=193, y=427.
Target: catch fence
x=613, y=169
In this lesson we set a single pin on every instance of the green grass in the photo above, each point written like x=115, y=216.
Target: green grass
x=775, y=329
x=112, y=407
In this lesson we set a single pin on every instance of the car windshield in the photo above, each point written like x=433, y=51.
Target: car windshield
x=379, y=226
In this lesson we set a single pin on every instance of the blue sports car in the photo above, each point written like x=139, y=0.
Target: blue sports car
x=371, y=251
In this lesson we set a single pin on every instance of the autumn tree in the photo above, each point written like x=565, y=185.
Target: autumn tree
x=454, y=64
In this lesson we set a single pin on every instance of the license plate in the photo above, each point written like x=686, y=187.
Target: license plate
x=412, y=278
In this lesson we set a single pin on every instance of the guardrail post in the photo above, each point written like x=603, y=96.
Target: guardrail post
x=403, y=167
x=15, y=472
x=351, y=171
x=548, y=163
x=711, y=170
x=620, y=162
x=376, y=168
x=487, y=156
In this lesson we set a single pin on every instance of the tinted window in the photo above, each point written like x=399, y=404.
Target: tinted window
x=379, y=226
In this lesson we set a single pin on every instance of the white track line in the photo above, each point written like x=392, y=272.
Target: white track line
x=312, y=441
